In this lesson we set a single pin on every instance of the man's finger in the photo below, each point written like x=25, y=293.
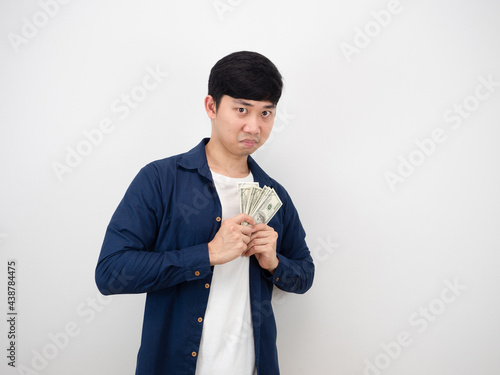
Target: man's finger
x=257, y=241
x=259, y=234
x=246, y=239
x=251, y=251
x=261, y=227
x=270, y=235
x=242, y=218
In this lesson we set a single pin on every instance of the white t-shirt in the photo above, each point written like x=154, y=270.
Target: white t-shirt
x=227, y=343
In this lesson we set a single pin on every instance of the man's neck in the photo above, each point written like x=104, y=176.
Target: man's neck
x=224, y=163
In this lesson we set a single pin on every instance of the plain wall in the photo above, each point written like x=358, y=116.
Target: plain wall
x=387, y=139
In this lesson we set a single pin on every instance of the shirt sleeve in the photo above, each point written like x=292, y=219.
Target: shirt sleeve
x=295, y=271
x=129, y=262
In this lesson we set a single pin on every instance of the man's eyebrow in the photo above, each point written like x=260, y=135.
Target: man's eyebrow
x=242, y=102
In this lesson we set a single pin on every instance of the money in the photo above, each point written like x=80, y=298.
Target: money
x=260, y=203
x=244, y=191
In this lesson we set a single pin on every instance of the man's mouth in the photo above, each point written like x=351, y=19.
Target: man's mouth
x=249, y=142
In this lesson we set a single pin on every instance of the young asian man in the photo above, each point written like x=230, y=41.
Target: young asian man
x=178, y=235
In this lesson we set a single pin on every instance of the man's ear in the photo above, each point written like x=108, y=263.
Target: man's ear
x=210, y=107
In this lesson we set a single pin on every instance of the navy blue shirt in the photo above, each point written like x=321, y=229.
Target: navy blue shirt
x=157, y=243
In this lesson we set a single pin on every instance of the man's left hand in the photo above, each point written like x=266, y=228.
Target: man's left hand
x=263, y=245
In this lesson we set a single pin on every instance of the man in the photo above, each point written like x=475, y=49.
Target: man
x=178, y=236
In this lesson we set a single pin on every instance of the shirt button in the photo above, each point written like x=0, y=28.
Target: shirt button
x=218, y=218
x=277, y=279
x=200, y=319
x=207, y=285
x=194, y=354
x=197, y=273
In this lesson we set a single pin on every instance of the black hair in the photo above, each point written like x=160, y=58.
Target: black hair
x=245, y=75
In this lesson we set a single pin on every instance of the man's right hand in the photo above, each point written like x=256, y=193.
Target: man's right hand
x=231, y=240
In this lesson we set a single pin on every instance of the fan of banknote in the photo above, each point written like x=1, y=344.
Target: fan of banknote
x=260, y=203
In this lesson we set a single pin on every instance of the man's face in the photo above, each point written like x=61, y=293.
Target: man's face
x=240, y=126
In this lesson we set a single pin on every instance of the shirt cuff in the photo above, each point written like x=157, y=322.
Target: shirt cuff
x=196, y=262
x=278, y=272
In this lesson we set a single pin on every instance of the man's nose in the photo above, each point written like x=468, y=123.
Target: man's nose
x=252, y=125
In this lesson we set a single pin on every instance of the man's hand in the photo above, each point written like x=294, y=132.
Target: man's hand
x=231, y=240
x=263, y=244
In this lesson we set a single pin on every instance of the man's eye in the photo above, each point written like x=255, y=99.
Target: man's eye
x=266, y=113
x=242, y=110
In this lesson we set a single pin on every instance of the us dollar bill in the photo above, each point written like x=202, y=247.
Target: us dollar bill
x=267, y=208
x=260, y=203
x=244, y=191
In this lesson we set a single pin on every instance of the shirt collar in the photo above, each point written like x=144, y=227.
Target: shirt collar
x=196, y=158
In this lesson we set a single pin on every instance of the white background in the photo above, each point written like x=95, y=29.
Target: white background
x=384, y=252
